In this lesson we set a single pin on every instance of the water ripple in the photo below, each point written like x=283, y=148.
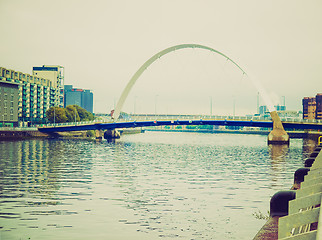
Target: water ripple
x=147, y=186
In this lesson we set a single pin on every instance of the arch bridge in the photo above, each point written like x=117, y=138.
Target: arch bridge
x=278, y=133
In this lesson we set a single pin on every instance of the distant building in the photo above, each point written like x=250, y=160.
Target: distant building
x=280, y=107
x=56, y=75
x=312, y=107
x=8, y=103
x=26, y=97
x=263, y=110
x=318, y=110
x=78, y=96
x=88, y=100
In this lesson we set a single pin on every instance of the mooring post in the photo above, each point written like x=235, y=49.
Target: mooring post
x=278, y=135
x=98, y=135
x=112, y=134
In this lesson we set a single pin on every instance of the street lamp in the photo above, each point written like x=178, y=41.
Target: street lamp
x=234, y=105
x=210, y=106
x=75, y=105
x=155, y=104
x=75, y=114
x=134, y=110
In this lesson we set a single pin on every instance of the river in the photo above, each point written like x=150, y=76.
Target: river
x=155, y=185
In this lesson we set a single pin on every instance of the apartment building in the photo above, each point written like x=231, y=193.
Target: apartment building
x=312, y=107
x=25, y=98
x=8, y=103
x=56, y=75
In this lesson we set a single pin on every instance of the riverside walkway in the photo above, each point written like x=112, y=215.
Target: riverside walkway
x=304, y=220
x=295, y=214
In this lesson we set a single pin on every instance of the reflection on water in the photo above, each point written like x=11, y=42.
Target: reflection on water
x=145, y=186
x=308, y=147
x=278, y=156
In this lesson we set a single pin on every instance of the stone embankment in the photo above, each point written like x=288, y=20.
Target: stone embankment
x=20, y=133
x=293, y=212
x=28, y=133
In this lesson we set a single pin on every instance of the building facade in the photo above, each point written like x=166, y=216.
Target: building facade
x=312, y=107
x=30, y=97
x=78, y=96
x=318, y=109
x=8, y=103
x=56, y=74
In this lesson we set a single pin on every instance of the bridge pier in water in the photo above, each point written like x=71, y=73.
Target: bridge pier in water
x=278, y=135
x=99, y=135
x=110, y=134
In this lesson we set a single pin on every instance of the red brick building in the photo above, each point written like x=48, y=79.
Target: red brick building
x=312, y=107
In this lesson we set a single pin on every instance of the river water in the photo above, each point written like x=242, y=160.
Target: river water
x=154, y=185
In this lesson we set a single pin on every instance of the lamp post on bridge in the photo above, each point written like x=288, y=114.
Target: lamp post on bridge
x=210, y=106
x=234, y=105
x=134, y=110
x=155, y=104
x=75, y=112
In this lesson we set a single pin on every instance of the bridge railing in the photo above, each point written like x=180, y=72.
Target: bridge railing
x=71, y=123
x=183, y=117
x=194, y=117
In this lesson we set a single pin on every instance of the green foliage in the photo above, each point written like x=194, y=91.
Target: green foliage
x=209, y=127
x=260, y=215
x=191, y=126
x=56, y=115
x=84, y=115
x=90, y=133
x=72, y=114
x=68, y=114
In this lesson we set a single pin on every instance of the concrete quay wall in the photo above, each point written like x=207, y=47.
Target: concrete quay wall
x=20, y=133
x=292, y=211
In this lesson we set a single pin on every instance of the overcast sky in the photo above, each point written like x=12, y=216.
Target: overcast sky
x=102, y=44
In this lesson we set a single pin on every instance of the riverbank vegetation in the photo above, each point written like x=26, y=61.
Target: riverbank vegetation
x=72, y=113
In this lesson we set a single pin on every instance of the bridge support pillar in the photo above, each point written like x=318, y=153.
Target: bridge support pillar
x=109, y=134
x=98, y=135
x=278, y=135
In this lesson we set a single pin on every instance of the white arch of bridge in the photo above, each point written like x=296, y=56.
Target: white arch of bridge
x=139, y=72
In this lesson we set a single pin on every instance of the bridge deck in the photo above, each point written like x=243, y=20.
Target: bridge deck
x=83, y=126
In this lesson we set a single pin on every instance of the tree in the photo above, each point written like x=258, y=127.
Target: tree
x=68, y=114
x=83, y=114
x=56, y=115
x=72, y=114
